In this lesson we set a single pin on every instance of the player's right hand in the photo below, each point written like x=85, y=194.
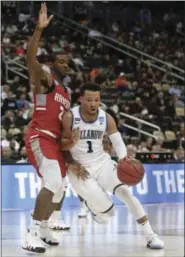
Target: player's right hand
x=78, y=170
x=43, y=19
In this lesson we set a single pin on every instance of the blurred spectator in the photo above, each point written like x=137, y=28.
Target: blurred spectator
x=145, y=16
x=9, y=138
x=149, y=143
x=94, y=73
x=3, y=133
x=8, y=119
x=6, y=155
x=176, y=101
x=121, y=81
x=41, y=50
x=9, y=103
x=20, y=121
x=22, y=101
x=19, y=50
x=23, y=156
x=131, y=151
x=4, y=91
x=179, y=155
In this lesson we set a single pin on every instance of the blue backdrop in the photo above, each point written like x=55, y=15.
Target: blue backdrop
x=162, y=183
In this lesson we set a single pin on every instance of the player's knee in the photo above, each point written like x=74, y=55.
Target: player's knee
x=122, y=190
x=54, y=185
x=51, y=174
x=58, y=195
x=110, y=212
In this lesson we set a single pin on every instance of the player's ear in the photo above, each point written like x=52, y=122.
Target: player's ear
x=50, y=64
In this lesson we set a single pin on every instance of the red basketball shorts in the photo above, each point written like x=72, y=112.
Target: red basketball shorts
x=40, y=146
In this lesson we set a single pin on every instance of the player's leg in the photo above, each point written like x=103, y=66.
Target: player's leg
x=109, y=181
x=83, y=208
x=43, y=208
x=96, y=199
x=58, y=196
x=51, y=174
x=55, y=221
x=50, y=171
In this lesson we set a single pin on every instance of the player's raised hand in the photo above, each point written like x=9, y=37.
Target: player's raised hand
x=43, y=19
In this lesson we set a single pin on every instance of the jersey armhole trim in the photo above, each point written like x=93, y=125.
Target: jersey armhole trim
x=106, y=128
x=72, y=123
x=50, y=89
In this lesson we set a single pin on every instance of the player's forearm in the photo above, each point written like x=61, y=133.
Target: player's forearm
x=33, y=45
x=118, y=145
x=66, y=144
x=68, y=157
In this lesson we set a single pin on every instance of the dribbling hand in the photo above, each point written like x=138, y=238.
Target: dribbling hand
x=43, y=19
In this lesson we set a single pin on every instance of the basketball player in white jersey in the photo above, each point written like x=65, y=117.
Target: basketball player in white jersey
x=101, y=173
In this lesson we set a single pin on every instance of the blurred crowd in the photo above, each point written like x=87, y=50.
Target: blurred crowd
x=128, y=85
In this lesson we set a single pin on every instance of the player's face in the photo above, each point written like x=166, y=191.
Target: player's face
x=90, y=102
x=61, y=64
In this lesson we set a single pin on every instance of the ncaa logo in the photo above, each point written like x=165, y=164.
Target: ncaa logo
x=101, y=120
x=77, y=120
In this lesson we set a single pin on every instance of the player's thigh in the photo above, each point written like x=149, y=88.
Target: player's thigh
x=107, y=176
x=95, y=196
x=46, y=159
x=62, y=164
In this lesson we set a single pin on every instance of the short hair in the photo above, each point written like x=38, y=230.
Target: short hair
x=47, y=58
x=52, y=57
x=90, y=86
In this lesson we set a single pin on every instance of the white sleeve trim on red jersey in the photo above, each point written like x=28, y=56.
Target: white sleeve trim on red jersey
x=46, y=68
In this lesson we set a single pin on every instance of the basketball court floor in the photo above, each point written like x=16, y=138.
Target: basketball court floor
x=121, y=237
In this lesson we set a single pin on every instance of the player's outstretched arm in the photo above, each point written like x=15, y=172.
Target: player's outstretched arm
x=115, y=138
x=35, y=70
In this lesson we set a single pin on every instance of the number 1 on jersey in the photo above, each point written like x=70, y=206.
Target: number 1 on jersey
x=90, y=150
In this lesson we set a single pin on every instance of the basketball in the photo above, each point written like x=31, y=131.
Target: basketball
x=130, y=171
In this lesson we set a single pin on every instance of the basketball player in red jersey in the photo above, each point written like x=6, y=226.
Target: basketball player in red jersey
x=42, y=140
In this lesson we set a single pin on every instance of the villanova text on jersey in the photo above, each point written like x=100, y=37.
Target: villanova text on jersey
x=91, y=134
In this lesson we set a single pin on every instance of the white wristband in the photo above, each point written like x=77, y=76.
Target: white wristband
x=118, y=145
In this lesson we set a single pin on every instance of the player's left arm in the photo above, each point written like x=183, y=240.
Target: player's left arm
x=115, y=138
x=69, y=136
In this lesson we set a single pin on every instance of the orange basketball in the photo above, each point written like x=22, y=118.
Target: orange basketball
x=130, y=171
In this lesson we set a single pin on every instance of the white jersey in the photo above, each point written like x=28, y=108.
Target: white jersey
x=89, y=149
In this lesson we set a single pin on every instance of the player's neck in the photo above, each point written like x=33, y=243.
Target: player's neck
x=88, y=118
x=57, y=75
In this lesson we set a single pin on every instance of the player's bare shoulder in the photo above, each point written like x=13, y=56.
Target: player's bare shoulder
x=67, y=124
x=67, y=116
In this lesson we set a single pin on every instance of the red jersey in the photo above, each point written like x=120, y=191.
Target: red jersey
x=49, y=109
